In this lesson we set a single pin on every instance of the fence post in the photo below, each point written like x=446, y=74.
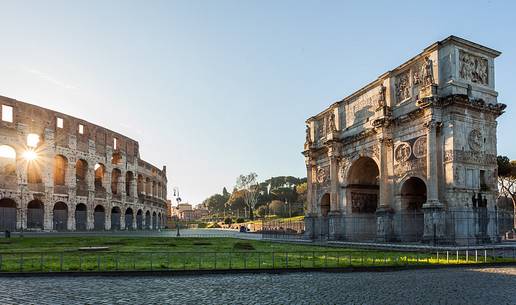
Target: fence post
x=116, y=261
x=467, y=256
x=215, y=261
x=286, y=259
x=151, y=262
x=437, y=256
x=273, y=261
x=313, y=259
x=476, y=256
x=447, y=256
x=98, y=262
x=200, y=261
x=457, y=259
x=80, y=262
x=61, y=262
x=300, y=259
x=350, y=262
x=230, y=260
x=21, y=262
x=41, y=263
x=168, y=260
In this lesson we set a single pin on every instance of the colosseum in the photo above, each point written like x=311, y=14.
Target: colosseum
x=60, y=173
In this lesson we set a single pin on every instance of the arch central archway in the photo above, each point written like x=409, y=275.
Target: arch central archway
x=413, y=196
x=362, y=192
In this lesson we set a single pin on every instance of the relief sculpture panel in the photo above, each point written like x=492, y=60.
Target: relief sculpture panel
x=473, y=68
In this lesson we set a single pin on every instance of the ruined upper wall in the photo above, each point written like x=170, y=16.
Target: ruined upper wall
x=457, y=66
x=75, y=133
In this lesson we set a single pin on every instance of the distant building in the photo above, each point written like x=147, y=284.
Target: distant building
x=186, y=212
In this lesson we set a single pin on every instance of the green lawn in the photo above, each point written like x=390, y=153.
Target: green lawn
x=166, y=253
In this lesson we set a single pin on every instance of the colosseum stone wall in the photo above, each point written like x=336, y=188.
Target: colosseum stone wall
x=59, y=172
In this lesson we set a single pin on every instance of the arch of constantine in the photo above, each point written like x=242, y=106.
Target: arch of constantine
x=61, y=173
x=411, y=156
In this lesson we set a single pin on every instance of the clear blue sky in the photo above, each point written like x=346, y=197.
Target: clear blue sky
x=213, y=89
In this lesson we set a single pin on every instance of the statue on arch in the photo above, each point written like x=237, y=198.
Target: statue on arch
x=428, y=72
x=381, y=96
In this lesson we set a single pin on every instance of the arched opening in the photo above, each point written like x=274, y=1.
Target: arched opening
x=116, y=158
x=81, y=217
x=115, y=218
x=100, y=171
x=129, y=177
x=7, y=166
x=413, y=196
x=148, y=221
x=99, y=218
x=325, y=205
x=129, y=219
x=159, y=220
x=139, y=220
x=35, y=215
x=362, y=192
x=81, y=177
x=148, y=187
x=7, y=214
x=115, y=179
x=140, y=185
x=60, y=216
x=60, y=164
x=154, y=221
x=34, y=172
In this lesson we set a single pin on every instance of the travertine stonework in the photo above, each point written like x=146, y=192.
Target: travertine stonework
x=84, y=177
x=412, y=155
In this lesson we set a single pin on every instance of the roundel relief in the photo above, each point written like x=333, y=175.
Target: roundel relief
x=419, y=147
x=402, y=152
x=475, y=139
x=321, y=175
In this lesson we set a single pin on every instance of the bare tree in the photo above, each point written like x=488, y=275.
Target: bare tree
x=248, y=184
x=507, y=181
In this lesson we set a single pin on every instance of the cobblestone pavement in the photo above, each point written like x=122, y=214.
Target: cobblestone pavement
x=442, y=286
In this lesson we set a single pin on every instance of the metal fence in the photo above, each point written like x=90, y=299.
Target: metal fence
x=460, y=226
x=190, y=261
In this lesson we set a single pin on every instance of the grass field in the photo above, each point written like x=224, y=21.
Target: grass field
x=166, y=253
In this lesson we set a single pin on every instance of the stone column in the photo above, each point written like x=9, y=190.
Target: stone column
x=90, y=215
x=310, y=216
x=385, y=212
x=70, y=225
x=433, y=209
x=122, y=218
x=48, y=216
x=334, y=216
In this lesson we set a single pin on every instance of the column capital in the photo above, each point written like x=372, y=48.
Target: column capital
x=432, y=124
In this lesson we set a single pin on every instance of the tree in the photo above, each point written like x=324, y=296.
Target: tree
x=507, y=180
x=278, y=207
x=215, y=203
x=225, y=193
x=249, y=185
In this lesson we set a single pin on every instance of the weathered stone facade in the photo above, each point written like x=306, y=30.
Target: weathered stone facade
x=412, y=155
x=58, y=172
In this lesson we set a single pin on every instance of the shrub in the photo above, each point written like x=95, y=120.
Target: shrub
x=228, y=221
x=213, y=226
x=240, y=220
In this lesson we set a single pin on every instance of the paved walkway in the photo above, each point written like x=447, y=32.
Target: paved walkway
x=443, y=286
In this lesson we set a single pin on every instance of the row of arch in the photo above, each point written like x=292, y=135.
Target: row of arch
x=362, y=194
x=144, y=185
x=35, y=217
